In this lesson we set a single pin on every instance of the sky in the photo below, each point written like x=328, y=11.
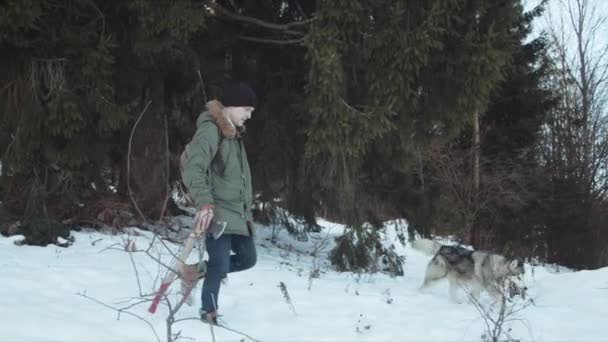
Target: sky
x=558, y=8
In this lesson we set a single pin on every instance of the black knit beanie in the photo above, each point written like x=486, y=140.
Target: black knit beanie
x=238, y=95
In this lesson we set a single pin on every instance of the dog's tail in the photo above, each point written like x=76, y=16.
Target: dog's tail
x=426, y=246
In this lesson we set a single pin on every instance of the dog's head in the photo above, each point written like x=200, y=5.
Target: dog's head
x=516, y=267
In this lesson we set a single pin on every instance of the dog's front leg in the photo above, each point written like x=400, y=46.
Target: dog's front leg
x=475, y=292
x=497, y=296
x=454, y=286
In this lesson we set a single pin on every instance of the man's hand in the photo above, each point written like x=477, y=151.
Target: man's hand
x=202, y=220
x=189, y=273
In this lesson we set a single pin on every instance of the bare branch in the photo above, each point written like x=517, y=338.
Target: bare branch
x=501, y=312
x=271, y=40
x=576, y=140
x=239, y=332
x=121, y=310
x=287, y=28
x=167, y=183
x=136, y=273
x=200, y=77
x=141, y=214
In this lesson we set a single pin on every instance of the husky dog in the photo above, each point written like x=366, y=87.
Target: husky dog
x=473, y=270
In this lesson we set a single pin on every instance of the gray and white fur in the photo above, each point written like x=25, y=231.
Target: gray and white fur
x=473, y=270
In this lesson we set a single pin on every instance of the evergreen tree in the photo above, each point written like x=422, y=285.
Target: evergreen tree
x=387, y=78
x=510, y=128
x=356, y=98
x=57, y=104
x=75, y=72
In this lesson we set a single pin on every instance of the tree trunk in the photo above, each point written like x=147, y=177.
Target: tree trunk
x=476, y=148
x=471, y=229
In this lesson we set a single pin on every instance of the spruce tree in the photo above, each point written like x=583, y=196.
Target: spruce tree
x=386, y=79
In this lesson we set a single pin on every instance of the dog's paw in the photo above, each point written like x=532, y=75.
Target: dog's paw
x=424, y=289
x=456, y=300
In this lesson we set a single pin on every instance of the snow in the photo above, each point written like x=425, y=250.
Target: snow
x=43, y=300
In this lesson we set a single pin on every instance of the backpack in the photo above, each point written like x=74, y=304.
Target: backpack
x=183, y=159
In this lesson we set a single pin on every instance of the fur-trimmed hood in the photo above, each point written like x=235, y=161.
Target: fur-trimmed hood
x=216, y=109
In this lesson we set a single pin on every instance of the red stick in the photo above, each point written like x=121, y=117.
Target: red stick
x=170, y=277
x=159, y=295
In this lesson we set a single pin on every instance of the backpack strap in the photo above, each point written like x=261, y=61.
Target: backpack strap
x=217, y=160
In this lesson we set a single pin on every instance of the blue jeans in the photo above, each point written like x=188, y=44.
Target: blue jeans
x=221, y=263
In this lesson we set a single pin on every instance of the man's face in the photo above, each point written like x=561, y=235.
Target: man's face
x=238, y=115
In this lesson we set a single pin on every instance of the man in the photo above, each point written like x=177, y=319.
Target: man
x=217, y=176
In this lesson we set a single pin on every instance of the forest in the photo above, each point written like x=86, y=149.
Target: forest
x=450, y=114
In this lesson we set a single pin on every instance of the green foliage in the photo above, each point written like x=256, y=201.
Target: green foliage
x=360, y=250
x=63, y=79
x=346, y=119
x=386, y=80
x=387, y=76
x=58, y=96
x=18, y=21
x=510, y=126
x=41, y=232
x=350, y=254
x=160, y=25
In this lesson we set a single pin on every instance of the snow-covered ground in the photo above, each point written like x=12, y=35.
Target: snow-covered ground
x=42, y=297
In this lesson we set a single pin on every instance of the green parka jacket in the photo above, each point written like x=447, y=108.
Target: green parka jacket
x=216, y=171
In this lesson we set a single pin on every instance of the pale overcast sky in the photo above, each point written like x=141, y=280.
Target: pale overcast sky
x=557, y=8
